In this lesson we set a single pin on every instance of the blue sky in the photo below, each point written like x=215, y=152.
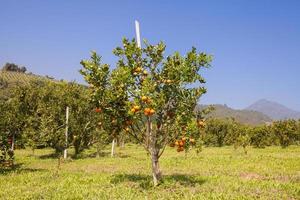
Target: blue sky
x=256, y=44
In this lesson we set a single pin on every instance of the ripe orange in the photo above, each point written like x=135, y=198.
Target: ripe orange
x=168, y=81
x=127, y=129
x=138, y=69
x=145, y=72
x=98, y=110
x=181, y=143
x=144, y=98
x=201, y=124
x=147, y=111
x=151, y=112
x=177, y=143
x=192, y=140
x=137, y=108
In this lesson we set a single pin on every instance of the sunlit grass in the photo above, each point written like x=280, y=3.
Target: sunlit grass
x=216, y=173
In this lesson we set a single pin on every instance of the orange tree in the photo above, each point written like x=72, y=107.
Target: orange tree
x=146, y=94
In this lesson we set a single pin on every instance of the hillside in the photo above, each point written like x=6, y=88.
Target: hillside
x=274, y=110
x=242, y=116
x=9, y=79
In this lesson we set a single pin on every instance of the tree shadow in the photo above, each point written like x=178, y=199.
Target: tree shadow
x=49, y=156
x=96, y=155
x=145, y=181
x=102, y=154
x=17, y=168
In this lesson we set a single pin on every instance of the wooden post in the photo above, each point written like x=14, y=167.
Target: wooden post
x=137, y=32
x=66, y=133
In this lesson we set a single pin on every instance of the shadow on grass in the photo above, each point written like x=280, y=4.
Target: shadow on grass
x=49, y=156
x=145, y=181
x=17, y=168
x=82, y=155
x=100, y=155
x=91, y=155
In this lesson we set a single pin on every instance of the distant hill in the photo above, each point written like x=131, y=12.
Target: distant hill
x=242, y=116
x=274, y=110
x=10, y=79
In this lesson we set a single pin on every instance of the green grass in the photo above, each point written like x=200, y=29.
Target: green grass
x=216, y=173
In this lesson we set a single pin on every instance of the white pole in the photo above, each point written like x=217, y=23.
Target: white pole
x=112, y=148
x=66, y=133
x=137, y=32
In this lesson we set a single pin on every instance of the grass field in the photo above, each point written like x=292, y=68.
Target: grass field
x=216, y=173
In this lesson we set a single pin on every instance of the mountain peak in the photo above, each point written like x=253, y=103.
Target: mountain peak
x=274, y=110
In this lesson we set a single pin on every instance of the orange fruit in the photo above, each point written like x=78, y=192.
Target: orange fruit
x=192, y=140
x=147, y=111
x=138, y=69
x=144, y=98
x=137, y=108
x=98, y=110
x=181, y=143
x=168, y=81
x=151, y=112
x=201, y=123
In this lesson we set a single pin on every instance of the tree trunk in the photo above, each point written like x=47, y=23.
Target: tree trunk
x=123, y=144
x=156, y=173
x=98, y=150
x=58, y=162
x=245, y=149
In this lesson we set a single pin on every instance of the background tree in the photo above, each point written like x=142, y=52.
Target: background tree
x=286, y=132
x=261, y=136
x=36, y=112
x=241, y=136
x=14, y=68
x=219, y=132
